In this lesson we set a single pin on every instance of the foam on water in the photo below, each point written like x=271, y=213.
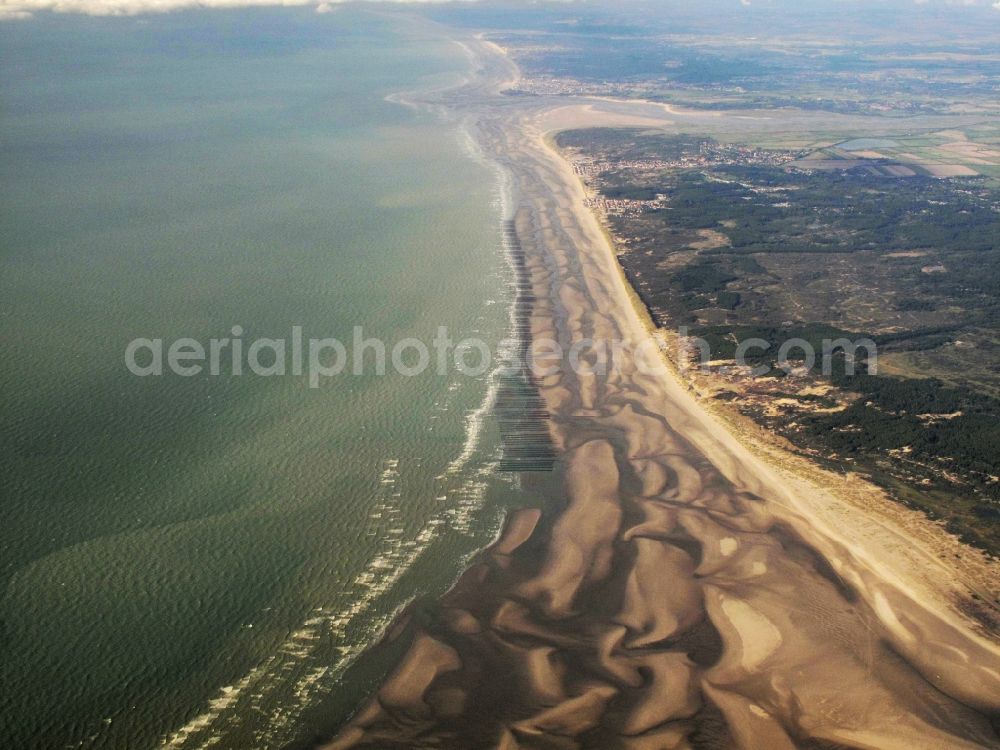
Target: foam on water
x=292, y=672
x=235, y=543
x=272, y=697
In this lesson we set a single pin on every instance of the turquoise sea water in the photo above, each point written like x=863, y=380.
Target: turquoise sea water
x=194, y=558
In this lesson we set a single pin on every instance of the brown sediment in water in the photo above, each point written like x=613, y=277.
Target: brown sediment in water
x=676, y=592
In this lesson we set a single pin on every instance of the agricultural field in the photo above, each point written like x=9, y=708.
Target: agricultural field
x=803, y=68
x=944, y=153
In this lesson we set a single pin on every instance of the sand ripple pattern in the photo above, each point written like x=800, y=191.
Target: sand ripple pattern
x=673, y=594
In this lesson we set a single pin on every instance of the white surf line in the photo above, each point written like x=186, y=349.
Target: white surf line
x=300, y=643
x=469, y=494
x=476, y=419
x=375, y=580
x=385, y=569
x=382, y=574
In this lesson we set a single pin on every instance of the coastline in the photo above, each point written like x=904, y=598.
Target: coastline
x=964, y=570
x=464, y=475
x=744, y=594
x=728, y=428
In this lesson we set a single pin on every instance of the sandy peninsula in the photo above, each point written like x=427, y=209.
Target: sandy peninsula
x=684, y=588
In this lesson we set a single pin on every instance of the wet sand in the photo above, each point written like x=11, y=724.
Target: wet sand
x=677, y=591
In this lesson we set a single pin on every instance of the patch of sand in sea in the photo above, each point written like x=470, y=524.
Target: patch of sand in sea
x=759, y=638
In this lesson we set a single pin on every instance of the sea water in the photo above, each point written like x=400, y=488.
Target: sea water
x=199, y=561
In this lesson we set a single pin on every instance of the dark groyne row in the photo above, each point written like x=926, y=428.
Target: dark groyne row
x=520, y=411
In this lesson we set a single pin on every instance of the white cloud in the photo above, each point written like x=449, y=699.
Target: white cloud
x=15, y=9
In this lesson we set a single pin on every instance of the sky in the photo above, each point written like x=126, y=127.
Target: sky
x=25, y=9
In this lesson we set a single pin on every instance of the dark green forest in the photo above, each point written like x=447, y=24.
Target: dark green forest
x=935, y=445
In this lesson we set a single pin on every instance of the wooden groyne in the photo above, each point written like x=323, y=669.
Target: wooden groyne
x=520, y=411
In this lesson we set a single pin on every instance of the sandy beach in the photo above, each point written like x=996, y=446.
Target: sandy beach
x=684, y=589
